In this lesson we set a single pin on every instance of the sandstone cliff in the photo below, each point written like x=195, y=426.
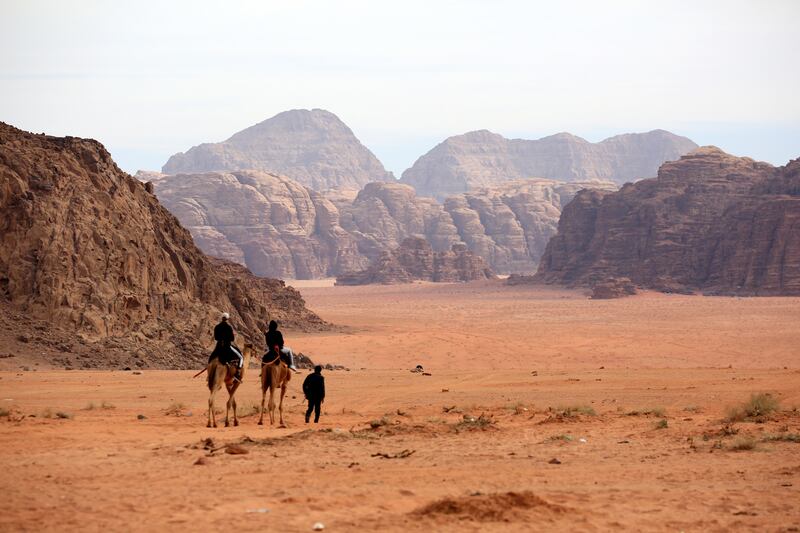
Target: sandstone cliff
x=482, y=158
x=414, y=260
x=313, y=147
x=88, y=250
x=279, y=228
x=710, y=222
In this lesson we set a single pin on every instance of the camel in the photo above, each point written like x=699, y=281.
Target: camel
x=218, y=374
x=274, y=374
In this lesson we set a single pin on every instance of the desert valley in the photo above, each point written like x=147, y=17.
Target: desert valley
x=516, y=332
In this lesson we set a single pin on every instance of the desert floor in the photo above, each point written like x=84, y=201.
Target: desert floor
x=543, y=411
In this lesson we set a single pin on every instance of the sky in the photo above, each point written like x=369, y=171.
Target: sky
x=152, y=78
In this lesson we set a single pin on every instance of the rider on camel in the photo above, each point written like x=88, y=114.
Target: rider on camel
x=225, y=351
x=275, y=338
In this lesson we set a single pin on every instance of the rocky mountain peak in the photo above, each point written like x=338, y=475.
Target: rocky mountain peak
x=313, y=147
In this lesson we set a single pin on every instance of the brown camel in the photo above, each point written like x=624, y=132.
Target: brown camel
x=274, y=374
x=218, y=374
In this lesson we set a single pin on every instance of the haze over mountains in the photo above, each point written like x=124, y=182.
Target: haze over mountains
x=273, y=196
x=313, y=147
x=482, y=158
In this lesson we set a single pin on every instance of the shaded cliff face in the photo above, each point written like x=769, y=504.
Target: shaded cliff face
x=482, y=158
x=415, y=260
x=86, y=248
x=710, y=222
x=279, y=228
x=313, y=147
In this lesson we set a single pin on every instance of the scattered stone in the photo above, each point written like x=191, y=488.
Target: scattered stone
x=319, y=526
x=554, y=461
x=399, y=455
x=201, y=461
x=235, y=449
x=137, y=372
x=613, y=288
x=141, y=417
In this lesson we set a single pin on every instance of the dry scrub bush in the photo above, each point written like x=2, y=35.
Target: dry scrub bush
x=759, y=406
x=742, y=444
x=574, y=410
x=654, y=411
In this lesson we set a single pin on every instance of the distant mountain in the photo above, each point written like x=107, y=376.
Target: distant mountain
x=482, y=158
x=314, y=148
x=710, y=221
x=280, y=228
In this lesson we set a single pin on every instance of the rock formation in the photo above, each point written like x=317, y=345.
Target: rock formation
x=314, y=148
x=87, y=249
x=710, y=222
x=482, y=158
x=414, y=260
x=613, y=288
x=280, y=228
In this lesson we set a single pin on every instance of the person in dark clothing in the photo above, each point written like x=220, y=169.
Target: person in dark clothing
x=275, y=338
x=314, y=389
x=225, y=351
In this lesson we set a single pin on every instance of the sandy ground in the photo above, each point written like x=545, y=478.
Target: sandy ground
x=639, y=444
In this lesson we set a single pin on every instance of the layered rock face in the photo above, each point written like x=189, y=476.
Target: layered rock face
x=710, y=222
x=279, y=228
x=86, y=248
x=482, y=158
x=415, y=259
x=313, y=147
x=271, y=224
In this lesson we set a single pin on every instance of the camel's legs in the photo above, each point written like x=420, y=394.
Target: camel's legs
x=212, y=418
x=261, y=418
x=232, y=391
x=263, y=395
x=271, y=404
x=280, y=405
x=228, y=403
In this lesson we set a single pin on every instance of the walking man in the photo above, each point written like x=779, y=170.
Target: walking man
x=314, y=389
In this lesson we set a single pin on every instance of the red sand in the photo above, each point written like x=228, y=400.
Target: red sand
x=105, y=469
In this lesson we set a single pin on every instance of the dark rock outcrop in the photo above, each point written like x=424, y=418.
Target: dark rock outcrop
x=613, y=288
x=87, y=249
x=482, y=158
x=313, y=147
x=416, y=260
x=710, y=222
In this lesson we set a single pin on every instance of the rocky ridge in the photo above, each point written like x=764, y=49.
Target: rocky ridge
x=709, y=222
x=415, y=260
x=313, y=147
x=481, y=158
x=280, y=228
x=89, y=251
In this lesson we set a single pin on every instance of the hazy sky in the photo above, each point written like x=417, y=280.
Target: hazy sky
x=152, y=78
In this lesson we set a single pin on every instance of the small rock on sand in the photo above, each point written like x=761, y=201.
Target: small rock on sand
x=319, y=526
x=554, y=461
x=235, y=449
x=201, y=461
